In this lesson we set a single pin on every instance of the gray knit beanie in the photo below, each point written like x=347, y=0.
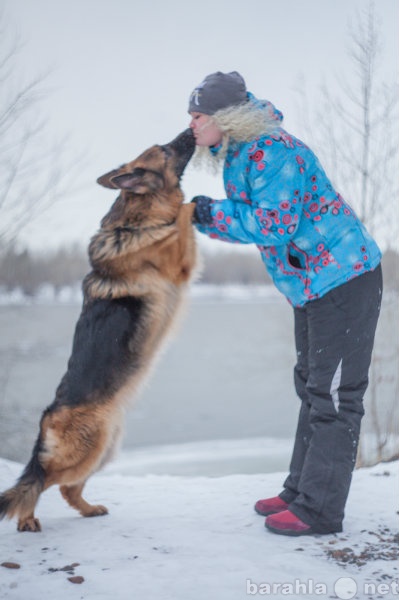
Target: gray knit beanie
x=217, y=91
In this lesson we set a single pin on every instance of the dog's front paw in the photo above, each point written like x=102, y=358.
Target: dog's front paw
x=29, y=524
x=96, y=510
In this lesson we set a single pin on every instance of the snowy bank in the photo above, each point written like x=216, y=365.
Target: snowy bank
x=211, y=458
x=72, y=295
x=182, y=538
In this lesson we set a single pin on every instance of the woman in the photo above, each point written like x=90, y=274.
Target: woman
x=323, y=260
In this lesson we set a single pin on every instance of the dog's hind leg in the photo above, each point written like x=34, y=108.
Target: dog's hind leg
x=73, y=495
x=29, y=523
x=75, y=442
x=20, y=501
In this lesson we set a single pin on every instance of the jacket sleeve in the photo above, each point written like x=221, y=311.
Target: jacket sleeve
x=270, y=215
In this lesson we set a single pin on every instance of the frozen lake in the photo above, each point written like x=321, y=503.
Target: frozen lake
x=221, y=392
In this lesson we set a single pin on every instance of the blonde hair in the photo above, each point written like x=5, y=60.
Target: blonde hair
x=240, y=123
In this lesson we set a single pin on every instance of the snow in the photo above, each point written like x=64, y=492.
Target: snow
x=208, y=457
x=193, y=537
x=47, y=294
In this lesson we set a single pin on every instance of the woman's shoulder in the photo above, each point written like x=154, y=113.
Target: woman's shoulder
x=271, y=144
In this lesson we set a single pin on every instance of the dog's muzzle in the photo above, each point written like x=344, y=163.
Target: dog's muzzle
x=182, y=147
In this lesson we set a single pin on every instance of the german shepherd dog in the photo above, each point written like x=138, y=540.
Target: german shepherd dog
x=141, y=258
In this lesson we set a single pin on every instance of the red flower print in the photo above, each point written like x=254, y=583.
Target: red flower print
x=257, y=156
x=220, y=215
x=267, y=223
x=287, y=139
x=286, y=219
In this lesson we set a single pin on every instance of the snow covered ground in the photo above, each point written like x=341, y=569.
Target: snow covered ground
x=181, y=523
x=197, y=538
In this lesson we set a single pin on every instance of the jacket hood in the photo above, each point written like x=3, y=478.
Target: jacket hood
x=244, y=122
x=268, y=107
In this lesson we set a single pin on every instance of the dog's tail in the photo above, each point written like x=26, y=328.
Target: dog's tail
x=21, y=499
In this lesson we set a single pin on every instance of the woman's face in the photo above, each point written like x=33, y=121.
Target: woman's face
x=205, y=130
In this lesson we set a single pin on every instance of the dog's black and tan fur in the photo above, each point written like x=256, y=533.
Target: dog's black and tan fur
x=141, y=259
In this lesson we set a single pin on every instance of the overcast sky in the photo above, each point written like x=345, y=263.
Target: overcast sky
x=122, y=72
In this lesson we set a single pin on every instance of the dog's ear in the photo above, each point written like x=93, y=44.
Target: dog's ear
x=139, y=181
x=106, y=180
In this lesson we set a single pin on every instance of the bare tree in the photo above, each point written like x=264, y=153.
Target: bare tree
x=356, y=132
x=33, y=174
x=354, y=129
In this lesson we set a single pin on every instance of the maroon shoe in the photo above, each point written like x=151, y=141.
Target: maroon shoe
x=286, y=523
x=270, y=506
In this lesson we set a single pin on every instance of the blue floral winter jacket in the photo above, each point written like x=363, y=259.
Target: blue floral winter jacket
x=279, y=198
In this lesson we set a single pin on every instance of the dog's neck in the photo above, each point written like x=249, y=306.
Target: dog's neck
x=131, y=229
x=132, y=213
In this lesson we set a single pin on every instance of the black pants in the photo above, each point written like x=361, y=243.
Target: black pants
x=334, y=339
